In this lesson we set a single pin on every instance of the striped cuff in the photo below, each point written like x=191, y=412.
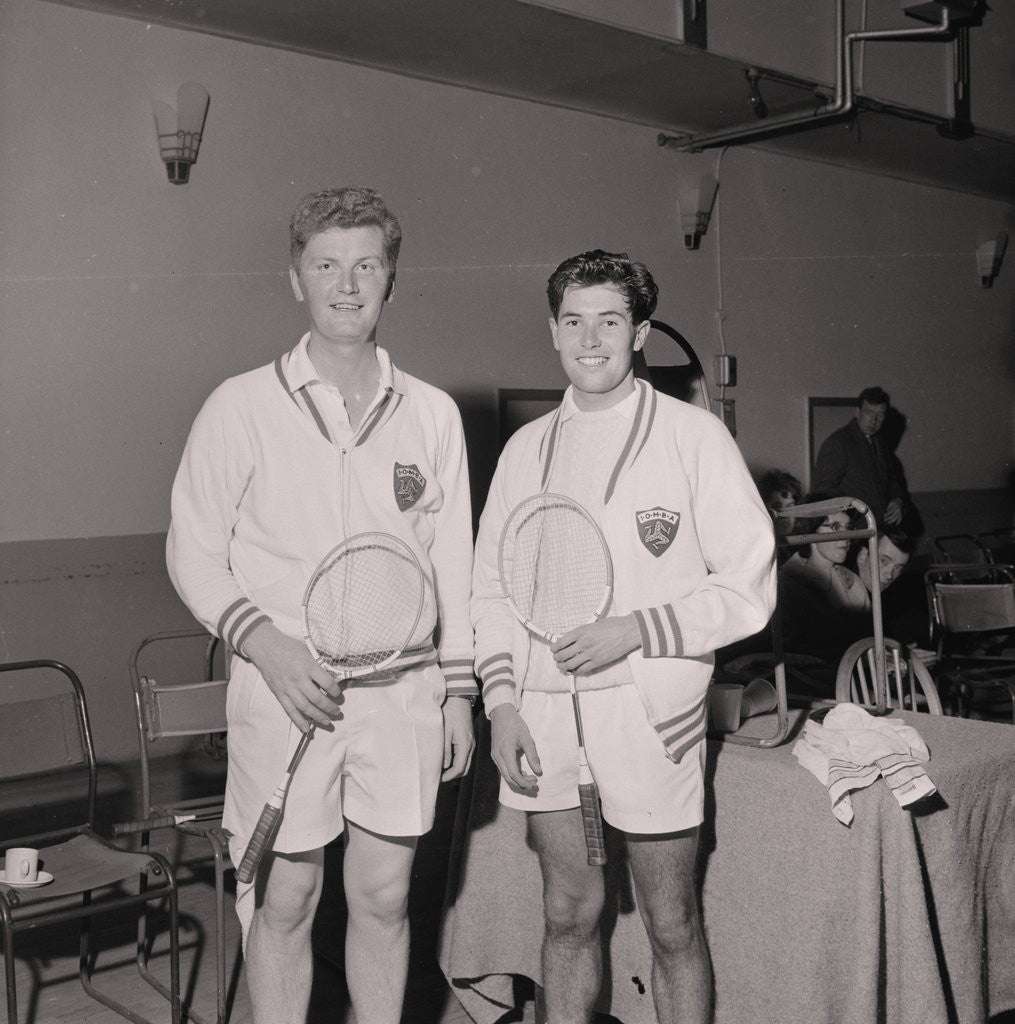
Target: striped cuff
x=238, y=621
x=660, y=632
x=497, y=675
x=458, y=673
x=460, y=680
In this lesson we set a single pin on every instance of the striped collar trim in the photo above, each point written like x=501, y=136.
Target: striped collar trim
x=295, y=369
x=641, y=426
x=296, y=372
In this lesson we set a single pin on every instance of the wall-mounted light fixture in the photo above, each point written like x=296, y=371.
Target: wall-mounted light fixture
x=695, y=196
x=179, y=130
x=989, y=255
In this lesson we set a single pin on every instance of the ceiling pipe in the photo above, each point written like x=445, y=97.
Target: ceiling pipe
x=841, y=105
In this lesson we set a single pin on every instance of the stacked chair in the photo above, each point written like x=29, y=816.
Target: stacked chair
x=973, y=629
x=46, y=746
x=192, y=707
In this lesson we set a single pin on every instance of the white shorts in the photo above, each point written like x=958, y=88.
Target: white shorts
x=641, y=789
x=380, y=767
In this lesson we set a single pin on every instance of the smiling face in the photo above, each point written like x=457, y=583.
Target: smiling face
x=832, y=551
x=342, y=276
x=597, y=338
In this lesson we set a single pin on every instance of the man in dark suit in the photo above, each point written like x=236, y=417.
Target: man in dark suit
x=855, y=462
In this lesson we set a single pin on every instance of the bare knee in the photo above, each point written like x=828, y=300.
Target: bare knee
x=383, y=899
x=568, y=912
x=674, y=930
x=288, y=895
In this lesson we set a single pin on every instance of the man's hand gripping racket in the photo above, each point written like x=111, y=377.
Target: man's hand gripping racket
x=557, y=574
x=360, y=611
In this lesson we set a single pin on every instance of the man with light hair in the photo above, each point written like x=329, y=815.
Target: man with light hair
x=283, y=463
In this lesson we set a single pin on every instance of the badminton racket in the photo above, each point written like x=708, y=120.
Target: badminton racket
x=557, y=574
x=360, y=610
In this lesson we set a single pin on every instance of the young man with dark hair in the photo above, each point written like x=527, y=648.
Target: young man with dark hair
x=894, y=551
x=693, y=555
x=282, y=464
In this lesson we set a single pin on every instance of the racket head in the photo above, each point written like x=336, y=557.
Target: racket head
x=363, y=603
x=555, y=567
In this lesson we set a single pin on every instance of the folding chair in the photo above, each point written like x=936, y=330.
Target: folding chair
x=179, y=709
x=973, y=624
x=910, y=686
x=959, y=549
x=999, y=544
x=45, y=737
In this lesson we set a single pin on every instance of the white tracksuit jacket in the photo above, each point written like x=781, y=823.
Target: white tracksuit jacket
x=262, y=494
x=693, y=552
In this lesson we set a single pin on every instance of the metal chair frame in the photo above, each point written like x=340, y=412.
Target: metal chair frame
x=184, y=709
x=907, y=677
x=51, y=738
x=816, y=510
x=966, y=606
x=960, y=549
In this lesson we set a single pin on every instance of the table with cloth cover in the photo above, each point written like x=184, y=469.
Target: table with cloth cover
x=906, y=916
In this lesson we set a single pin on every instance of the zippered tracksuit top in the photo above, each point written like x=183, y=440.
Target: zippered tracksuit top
x=263, y=494
x=693, y=553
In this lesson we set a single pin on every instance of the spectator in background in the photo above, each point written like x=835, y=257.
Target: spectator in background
x=894, y=552
x=825, y=606
x=855, y=461
x=904, y=610
x=780, y=490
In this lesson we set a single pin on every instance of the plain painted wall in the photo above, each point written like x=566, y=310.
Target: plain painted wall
x=127, y=299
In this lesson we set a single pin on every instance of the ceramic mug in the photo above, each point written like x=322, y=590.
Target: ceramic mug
x=21, y=865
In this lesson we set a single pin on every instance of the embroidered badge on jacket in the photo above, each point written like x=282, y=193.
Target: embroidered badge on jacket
x=656, y=528
x=409, y=485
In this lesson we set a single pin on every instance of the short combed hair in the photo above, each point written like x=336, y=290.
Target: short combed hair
x=873, y=396
x=901, y=539
x=351, y=206
x=631, y=279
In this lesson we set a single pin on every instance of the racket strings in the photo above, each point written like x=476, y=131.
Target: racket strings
x=558, y=570
x=363, y=606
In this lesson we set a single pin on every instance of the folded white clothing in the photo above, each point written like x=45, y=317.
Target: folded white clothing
x=851, y=749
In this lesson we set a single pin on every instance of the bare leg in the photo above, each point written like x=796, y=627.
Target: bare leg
x=664, y=879
x=278, y=953
x=572, y=906
x=377, y=872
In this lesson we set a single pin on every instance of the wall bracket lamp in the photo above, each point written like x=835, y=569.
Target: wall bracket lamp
x=179, y=131
x=695, y=196
x=989, y=256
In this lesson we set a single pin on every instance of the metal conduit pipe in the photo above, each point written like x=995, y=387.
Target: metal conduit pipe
x=842, y=104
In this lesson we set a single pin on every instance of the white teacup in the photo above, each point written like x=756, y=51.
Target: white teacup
x=21, y=865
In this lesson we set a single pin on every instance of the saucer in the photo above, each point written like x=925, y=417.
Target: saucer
x=44, y=879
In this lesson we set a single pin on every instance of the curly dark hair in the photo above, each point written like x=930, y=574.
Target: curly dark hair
x=596, y=266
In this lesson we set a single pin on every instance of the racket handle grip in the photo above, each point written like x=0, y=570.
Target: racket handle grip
x=592, y=822
x=126, y=828
x=260, y=841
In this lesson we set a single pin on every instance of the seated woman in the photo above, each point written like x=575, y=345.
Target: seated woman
x=825, y=606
